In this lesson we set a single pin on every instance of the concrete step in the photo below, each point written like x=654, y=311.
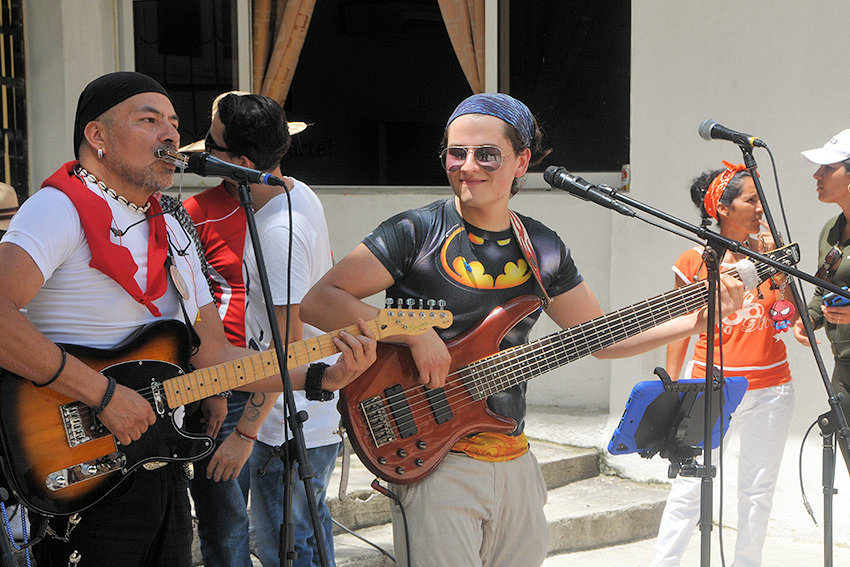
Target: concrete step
x=362, y=507
x=591, y=513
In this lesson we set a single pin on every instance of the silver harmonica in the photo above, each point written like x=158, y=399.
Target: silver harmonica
x=175, y=158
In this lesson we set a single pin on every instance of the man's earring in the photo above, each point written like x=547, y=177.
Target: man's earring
x=100, y=153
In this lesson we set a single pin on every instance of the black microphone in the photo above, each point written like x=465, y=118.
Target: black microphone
x=205, y=164
x=560, y=178
x=711, y=130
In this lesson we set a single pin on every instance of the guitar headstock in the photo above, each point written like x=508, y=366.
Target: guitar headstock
x=410, y=320
x=788, y=255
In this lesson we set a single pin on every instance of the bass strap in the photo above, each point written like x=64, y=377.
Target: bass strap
x=528, y=253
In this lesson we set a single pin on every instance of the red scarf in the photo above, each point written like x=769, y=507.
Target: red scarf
x=114, y=261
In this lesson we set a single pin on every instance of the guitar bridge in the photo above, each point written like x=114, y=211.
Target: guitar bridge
x=378, y=421
x=79, y=424
x=63, y=478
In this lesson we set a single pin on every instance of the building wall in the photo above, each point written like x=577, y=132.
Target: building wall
x=68, y=44
x=774, y=69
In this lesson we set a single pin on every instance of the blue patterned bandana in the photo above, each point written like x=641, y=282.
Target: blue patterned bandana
x=501, y=106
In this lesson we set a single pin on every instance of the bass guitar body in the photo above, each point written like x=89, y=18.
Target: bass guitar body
x=60, y=458
x=402, y=430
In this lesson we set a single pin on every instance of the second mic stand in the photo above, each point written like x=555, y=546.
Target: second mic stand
x=294, y=418
x=712, y=259
x=833, y=421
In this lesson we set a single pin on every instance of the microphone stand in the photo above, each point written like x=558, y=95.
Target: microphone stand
x=834, y=421
x=717, y=242
x=294, y=417
x=712, y=261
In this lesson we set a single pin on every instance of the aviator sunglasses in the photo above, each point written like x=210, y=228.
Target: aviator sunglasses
x=830, y=264
x=488, y=158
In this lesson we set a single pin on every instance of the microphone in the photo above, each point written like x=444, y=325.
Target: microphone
x=711, y=130
x=560, y=178
x=205, y=164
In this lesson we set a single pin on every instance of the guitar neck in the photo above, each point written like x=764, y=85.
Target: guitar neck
x=213, y=380
x=520, y=363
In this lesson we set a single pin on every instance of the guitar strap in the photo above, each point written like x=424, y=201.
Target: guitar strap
x=528, y=252
x=179, y=285
x=183, y=295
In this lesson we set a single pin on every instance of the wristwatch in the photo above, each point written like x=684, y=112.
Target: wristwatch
x=313, y=383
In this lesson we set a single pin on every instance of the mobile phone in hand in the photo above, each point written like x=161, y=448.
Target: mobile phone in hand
x=832, y=299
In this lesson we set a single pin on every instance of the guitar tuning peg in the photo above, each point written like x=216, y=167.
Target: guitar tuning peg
x=410, y=302
x=441, y=303
x=388, y=302
x=421, y=304
x=431, y=303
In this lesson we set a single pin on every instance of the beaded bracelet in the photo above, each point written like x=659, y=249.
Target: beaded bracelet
x=58, y=372
x=245, y=436
x=107, y=396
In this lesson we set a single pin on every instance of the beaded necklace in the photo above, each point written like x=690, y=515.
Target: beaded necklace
x=84, y=175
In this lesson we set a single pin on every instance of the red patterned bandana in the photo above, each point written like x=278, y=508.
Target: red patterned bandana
x=113, y=260
x=718, y=185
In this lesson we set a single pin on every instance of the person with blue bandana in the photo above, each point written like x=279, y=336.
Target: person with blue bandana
x=483, y=504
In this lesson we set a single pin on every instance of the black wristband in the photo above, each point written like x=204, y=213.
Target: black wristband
x=107, y=396
x=58, y=372
x=313, y=383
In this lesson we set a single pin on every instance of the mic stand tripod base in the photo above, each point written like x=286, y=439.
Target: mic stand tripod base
x=828, y=427
x=692, y=470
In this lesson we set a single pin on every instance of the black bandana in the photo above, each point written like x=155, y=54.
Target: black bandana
x=105, y=92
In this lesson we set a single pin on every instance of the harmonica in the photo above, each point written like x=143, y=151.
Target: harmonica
x=175, y=158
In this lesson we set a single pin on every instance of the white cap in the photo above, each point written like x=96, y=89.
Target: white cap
x=836, y=150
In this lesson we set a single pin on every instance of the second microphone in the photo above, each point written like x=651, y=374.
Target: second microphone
x=207, y=165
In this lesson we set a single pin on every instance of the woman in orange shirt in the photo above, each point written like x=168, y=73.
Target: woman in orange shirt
x=751, y=346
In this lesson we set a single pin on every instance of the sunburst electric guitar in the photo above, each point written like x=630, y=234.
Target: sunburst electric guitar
x=60, y=459
x=402, y=430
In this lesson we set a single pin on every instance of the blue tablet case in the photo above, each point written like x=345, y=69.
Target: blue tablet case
x=651, y=413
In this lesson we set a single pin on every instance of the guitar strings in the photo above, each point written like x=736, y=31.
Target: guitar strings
x=488, y=373
x=473, y=378
x=206, y=378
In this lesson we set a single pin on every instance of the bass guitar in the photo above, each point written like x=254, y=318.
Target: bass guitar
x=60, y=457
x=401, y=430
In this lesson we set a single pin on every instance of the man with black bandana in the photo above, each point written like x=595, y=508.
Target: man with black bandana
x=84, y=263
x=483, y=504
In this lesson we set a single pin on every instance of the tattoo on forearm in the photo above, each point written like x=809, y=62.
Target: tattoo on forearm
x=252, y=409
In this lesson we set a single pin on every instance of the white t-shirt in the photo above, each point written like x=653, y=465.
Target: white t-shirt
x=311, y=258
x=78, y=304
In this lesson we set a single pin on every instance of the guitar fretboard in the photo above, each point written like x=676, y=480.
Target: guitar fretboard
x=210, y=381
x=518, y=364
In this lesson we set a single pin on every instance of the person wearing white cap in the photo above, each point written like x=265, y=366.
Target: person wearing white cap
x=833, y=186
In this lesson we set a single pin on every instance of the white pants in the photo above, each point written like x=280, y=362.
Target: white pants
x=762, y=420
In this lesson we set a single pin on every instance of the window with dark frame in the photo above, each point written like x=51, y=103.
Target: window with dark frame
x=14, y=167
x=376, y=80
x=570, y=63
x=188, y=47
